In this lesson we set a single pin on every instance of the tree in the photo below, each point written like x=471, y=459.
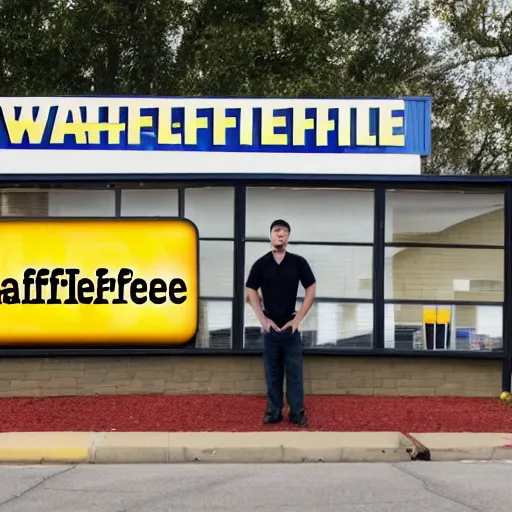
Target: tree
x=88, y=46
x=473, y=132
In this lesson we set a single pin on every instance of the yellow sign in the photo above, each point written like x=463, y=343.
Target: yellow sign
x=436, y=316
x=443, y=316
x=429, y=316
x=98, y=281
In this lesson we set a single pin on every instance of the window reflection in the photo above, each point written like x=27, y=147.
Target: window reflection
x=434, y=273
x=315, y=215
x=452, y=218
x=443, y=327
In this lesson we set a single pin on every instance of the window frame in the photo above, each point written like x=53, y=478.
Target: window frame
x=506, y=192
x=240, y=183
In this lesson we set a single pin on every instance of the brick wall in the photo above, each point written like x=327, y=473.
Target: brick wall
x=207, y=374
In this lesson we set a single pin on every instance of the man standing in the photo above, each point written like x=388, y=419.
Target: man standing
x=278, y=274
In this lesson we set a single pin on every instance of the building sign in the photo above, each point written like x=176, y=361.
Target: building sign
x=98, y=282
x=232, y=125
x=198, y=133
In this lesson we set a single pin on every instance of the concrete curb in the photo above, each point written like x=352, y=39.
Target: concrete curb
x=466, y=446
x=214, y=447
x=51, y=447
x=250, y=447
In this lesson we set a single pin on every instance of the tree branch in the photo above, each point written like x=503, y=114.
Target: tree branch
x=434, y=71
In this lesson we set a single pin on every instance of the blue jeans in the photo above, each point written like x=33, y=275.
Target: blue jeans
x=282, y=354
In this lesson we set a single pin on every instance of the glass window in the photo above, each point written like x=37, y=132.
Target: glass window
x=212, y=211
x=454, y=327
x=214, y=326
x=315, y=215
x=445, y=217
x=216, y=269
x=327, y=325
x=433, y=273
x=340, y=271
x=81, y=203
x=57, y=203
x=23, y=203
x=149, y=203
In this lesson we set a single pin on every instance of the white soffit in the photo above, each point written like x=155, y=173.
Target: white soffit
x=196, y=162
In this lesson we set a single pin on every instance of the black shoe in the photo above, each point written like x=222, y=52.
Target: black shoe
x=301, y=420
x=270, y=419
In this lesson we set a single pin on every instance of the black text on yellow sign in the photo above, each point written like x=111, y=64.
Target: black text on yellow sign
x=82, y=290
x=98, y=282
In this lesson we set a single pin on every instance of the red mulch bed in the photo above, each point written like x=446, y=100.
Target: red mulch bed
x=224, y=413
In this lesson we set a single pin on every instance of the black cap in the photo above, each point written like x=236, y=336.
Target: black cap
x=280, y=222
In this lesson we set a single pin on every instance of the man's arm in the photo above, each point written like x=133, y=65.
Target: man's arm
x=254, y=300
x=307, y=279
x=259, y=295
x=308, y=302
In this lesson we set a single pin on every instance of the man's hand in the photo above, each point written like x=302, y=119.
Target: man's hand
x=294, y=324
x=267, y=324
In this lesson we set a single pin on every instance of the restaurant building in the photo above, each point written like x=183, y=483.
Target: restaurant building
x=413, y=271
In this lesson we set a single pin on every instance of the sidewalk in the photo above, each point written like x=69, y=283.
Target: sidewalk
x=247, y=447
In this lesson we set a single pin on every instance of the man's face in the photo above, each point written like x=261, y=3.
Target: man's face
x=279, y=237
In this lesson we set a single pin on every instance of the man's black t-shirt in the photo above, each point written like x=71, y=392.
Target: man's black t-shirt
x=279, y=283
